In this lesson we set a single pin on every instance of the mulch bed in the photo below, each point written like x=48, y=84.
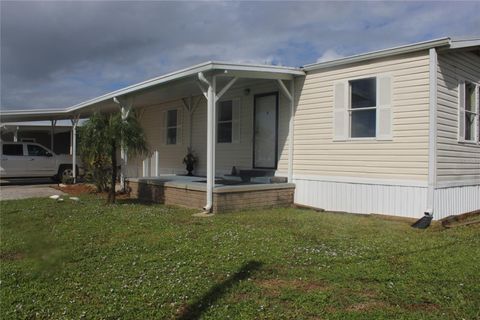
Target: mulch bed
x=85, y=188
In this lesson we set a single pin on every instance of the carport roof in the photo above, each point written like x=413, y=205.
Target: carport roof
x=106, y=103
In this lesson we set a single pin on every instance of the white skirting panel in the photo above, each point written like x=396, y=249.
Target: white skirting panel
x=456, y=200
x=396, y=200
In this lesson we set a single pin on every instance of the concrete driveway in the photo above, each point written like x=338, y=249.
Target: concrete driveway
x=27, y=188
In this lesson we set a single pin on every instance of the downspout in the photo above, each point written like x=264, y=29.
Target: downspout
x=210, y=141
x=432, y=129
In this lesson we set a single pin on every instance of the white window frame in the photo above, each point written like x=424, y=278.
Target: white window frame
x=350, y=110
x=225, y=121
x=171, y=127
x=476, y=132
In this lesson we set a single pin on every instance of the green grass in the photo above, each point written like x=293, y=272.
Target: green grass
x=131, y=261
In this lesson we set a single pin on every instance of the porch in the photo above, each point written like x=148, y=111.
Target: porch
x=232, y=115
x=229, y=193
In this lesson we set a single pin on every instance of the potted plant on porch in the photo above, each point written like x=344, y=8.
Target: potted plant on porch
x=190, y=160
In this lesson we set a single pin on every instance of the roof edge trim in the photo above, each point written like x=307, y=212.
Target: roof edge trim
x=380, y=53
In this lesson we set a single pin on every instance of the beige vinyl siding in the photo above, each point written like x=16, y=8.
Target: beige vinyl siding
x=239, y=154
x=457, y=162
x=227, y=154
x=170, y=156
x=405, y=157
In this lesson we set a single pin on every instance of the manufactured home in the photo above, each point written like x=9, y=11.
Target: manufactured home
x=392, y=132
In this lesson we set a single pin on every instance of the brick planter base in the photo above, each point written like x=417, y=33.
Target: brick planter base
x=225, y=198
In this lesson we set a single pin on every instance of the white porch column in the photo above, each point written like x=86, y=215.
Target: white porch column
x=211, y=99
x=210, y=143
x=74, y=148
x=15, y=134
x=157, y=163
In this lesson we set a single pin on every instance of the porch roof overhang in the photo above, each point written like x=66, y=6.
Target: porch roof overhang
x=167, y=87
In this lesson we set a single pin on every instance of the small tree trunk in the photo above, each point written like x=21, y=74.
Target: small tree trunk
x=111, y=194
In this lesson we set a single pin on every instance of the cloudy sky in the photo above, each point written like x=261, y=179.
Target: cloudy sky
x=57, y=54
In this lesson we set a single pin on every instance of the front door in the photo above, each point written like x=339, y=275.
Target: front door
x=265, y=131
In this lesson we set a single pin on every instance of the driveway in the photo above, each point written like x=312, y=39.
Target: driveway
x=27, y=188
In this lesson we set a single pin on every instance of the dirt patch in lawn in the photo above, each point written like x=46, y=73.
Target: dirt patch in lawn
x=275, y=286
x=367, y=305
x=423, y=306
x=11, y=256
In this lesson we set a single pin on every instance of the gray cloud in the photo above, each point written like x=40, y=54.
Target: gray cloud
x=56, y=54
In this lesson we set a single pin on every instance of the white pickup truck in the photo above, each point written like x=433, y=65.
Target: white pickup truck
x=29, y=159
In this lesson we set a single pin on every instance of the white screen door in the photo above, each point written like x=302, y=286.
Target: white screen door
x=265, y=141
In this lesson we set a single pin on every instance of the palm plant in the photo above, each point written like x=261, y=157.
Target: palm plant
x=103, y=135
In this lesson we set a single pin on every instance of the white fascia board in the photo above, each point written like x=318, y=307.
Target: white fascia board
x=380, y=54
x=183, y=73
x=34, y=115
x=257, y=68
x=466, y=43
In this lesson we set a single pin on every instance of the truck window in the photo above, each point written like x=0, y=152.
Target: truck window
x=36, y=151
x=12, y=150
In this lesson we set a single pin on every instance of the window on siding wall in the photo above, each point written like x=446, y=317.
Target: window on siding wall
x=471, y=111
x=172, y=126
x=225, y=121
x=363, y=108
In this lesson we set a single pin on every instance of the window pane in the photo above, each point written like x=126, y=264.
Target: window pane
x=13, y=149
x=363, y=123
x=470, y=104
x=172, y=118
x=225, y=132
x=172, y=136
x=225, y=112
x=38, y=151
x=469, y=126
x=363, y=93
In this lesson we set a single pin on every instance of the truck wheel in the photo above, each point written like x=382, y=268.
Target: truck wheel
x=65, y=172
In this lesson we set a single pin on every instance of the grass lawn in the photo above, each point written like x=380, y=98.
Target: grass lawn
x=132, y=261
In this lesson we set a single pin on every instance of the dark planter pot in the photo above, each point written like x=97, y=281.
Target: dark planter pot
x=189, y=169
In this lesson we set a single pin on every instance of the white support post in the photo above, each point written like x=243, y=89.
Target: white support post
x=210, y=138
x=15, y=134
x=204, y=91
x=214, y=131
x=227, y=86
x=284, y=89
x=52, y=135
x=290, y=130
x=74, y=148
x=157, y=164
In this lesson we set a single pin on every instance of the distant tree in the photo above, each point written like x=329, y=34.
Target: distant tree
x=102, y=136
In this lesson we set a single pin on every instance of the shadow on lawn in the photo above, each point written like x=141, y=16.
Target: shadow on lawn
x=198, y=307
